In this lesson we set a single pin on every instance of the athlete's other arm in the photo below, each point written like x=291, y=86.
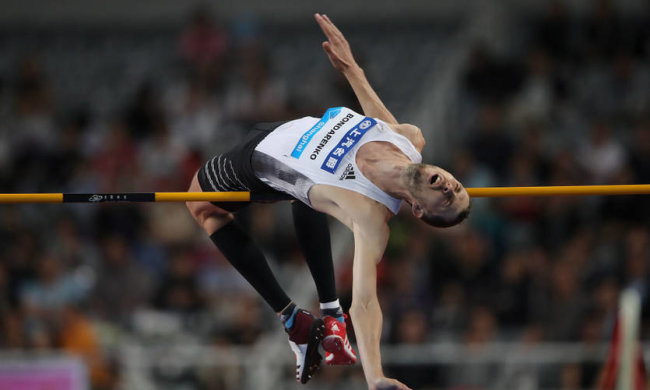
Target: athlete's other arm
x=370, y=238
x=368, y=221
x=340, y=55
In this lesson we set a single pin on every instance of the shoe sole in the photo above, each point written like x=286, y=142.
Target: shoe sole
x=334, y=345
x=312, y=357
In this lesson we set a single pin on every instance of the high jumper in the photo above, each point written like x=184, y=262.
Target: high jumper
x=357, y=168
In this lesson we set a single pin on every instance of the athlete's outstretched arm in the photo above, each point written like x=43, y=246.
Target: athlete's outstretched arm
x=370, y=238
x=340, y=55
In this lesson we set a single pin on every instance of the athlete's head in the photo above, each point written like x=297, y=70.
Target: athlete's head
x=437, y=197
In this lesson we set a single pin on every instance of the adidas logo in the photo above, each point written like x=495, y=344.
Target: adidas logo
x=335, y=327
x=348, y=173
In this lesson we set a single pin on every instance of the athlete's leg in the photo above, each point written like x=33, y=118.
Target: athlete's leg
x=305, y=331
x=313, y=236
x=239, y=249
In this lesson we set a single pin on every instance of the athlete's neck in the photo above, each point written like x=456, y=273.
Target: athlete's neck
x=385, y=166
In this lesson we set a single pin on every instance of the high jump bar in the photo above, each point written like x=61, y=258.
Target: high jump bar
x=243, y=196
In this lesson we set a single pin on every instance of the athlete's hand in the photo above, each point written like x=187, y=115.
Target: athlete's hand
x=388, y=384
x=336, y=46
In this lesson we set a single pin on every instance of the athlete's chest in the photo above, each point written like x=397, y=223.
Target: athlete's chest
x=374, y=158
x=348, y=207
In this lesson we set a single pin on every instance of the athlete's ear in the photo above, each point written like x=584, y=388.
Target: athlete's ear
x=418, y=211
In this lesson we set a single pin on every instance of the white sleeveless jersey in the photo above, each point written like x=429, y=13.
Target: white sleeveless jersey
x=308, y=151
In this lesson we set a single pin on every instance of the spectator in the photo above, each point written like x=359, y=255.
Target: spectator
x=481, y=331
x=160, y=160
x=640, y=152
x=115, y=162
x=552, y=32
x=256, y=95
x=78, y=338
x=5, y=305
x=566, y=303
x=412, y=330
x=603, y=31
x=535, y=99
x=33, y=107
x=514, y=302
x=178, y=291
x=602, y=156
x=490, y=144
x=145, y=114
x=196, y=118
x=203, y=44
x=488, y=80
x=123, y=286
x=245, y=326
x=53, y=289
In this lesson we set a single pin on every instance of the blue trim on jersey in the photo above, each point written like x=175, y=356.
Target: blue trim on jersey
x=334, y=158
x=309, y=134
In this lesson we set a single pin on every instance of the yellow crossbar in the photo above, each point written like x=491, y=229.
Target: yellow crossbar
x=628, y=189
x=205, y=196
x=31, y=198
x=487, y=192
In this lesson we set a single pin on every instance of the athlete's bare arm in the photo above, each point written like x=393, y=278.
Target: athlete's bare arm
x=368, y=221
x=340, y=55
x=370, y=238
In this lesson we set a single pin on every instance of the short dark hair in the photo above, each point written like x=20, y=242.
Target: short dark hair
x=438, y=221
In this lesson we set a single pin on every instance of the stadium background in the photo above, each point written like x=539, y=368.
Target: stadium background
x=124, y=96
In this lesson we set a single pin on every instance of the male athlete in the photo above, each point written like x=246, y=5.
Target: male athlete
x=356, y=168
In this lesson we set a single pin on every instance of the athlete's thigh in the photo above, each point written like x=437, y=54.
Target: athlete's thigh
x=203, y=208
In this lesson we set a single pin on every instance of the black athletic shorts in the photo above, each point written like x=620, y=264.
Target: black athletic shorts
x=232, y=170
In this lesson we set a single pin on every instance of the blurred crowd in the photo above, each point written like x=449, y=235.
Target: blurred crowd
x=567, y=103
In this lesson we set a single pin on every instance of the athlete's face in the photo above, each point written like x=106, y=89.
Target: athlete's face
x=436, y=192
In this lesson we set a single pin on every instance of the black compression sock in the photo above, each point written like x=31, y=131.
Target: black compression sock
x=313, y=236
x=243, y=254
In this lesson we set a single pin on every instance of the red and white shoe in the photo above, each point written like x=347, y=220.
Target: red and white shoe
x=338, y=350
x=304, y=337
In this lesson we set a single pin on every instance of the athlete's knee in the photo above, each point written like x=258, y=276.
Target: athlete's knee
x=194, y=207
x=209, y=217
x=215, y=222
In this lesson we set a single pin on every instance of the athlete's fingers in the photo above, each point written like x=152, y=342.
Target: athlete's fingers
x=326, y=27
x=321, y=22
x=330, y=30
x=336, y=47
x=327, y=47
x=324, y=18
x=336, y=29
x=327, y=19
x=328, y=50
